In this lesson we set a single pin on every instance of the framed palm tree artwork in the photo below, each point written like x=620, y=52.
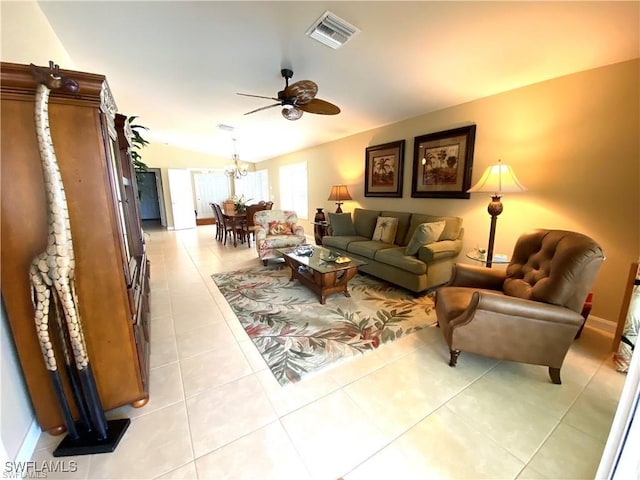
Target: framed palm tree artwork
x=384, y=166
x=442, y=163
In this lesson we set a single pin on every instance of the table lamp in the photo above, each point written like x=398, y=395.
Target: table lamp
x=339, y=194
x=496, y=179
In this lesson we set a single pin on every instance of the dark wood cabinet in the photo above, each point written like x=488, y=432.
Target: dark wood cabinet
x=112, y=270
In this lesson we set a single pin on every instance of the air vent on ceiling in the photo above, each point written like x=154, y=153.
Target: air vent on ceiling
x=331, y=30
x=226, y=128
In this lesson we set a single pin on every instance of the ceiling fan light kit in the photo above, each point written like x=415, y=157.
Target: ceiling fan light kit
x=291, y=113
x=297, y=98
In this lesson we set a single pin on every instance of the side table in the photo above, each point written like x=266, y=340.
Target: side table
x=482, y=257
x=320, y=229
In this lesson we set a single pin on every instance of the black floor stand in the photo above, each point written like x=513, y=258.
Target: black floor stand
x=89, y=443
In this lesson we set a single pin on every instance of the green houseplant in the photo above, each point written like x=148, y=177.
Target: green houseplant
x=240, y=203
x=138, y=142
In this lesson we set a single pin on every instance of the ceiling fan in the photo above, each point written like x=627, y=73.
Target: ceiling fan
x=297, y=98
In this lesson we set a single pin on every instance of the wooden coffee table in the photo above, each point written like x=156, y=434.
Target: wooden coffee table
x=319, y=275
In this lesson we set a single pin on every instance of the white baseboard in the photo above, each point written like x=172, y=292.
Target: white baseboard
x=602, y=324
x=28, y=447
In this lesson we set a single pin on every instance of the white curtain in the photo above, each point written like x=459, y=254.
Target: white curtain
x=254, y=186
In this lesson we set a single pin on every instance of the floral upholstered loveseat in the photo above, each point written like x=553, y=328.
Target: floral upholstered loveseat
x=276, y=229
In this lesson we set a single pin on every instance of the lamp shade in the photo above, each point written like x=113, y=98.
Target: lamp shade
x=498, y=179
x=339, y=193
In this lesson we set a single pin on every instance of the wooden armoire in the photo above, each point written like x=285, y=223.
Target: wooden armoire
x=91, y=143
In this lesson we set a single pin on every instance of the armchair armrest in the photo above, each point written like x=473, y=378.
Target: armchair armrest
x=298, y=230
x=498, y=303
x=521, y=307
x=260, y=232
x=473, y=276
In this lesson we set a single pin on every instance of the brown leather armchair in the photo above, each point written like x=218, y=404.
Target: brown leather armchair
x=529, y=313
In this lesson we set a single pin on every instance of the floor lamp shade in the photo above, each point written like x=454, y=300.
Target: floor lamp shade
x=496, y=180
x=339, y=194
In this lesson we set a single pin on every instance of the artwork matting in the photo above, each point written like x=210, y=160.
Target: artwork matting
x=384, y=168
x=442, y=163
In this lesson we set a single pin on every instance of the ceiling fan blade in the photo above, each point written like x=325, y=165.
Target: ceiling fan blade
x=263, y=108
x=257, y=96
x=304, y=91
x=320, y=106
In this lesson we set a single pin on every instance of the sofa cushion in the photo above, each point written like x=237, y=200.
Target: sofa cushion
x=367, y=248
x=364, y=221
x=386, y=228
x=403, y=224
x=395, y=256
x=341, y=224
x=452, y=227
x=341, y=242
x=425, y=233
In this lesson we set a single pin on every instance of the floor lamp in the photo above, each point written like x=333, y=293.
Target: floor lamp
x=339, y=194
x=496, y=180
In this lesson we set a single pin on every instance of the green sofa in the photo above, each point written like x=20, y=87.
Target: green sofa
x=428, y=268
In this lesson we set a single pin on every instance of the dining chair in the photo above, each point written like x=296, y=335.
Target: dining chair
x=226, y=226
x=219, y=226
x=250, y=226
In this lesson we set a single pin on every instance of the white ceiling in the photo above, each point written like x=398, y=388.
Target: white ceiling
x=178, y=65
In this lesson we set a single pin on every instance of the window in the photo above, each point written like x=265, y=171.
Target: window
x=293, y=189
x=254, y=186
x=210, y=187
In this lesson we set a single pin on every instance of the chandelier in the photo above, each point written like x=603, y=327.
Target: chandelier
x=236, y=170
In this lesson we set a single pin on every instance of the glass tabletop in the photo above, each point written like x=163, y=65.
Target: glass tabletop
x=320, y=259
x=482, y=257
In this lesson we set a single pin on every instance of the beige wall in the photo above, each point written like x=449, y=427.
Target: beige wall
x=27, y=36
x=572, y=141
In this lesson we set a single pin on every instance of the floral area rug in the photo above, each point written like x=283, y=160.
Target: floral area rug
x=296, y=335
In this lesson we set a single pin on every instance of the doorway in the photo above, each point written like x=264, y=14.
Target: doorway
x=152, y=211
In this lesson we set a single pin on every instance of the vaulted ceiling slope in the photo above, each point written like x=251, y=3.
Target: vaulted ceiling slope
x=179, y=65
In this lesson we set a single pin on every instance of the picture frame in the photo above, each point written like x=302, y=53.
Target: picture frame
x=442, y=163
x=384, y=170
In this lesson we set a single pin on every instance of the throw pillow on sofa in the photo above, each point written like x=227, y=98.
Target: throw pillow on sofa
x=280, y=228
x=386, y=228
x=341, y=224
x=423, y=234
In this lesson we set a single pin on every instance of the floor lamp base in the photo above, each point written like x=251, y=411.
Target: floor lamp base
x=88, y=444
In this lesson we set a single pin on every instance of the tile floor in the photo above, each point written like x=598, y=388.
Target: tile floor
x=216, y=412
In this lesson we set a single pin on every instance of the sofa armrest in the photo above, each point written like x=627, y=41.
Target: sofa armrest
x=298, y=230
x=474, y=276
x=439, y=250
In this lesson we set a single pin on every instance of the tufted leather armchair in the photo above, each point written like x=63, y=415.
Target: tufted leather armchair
x=276, y=229
x=529, y=313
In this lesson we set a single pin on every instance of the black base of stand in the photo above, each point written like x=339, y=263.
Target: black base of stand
x=88, y=443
